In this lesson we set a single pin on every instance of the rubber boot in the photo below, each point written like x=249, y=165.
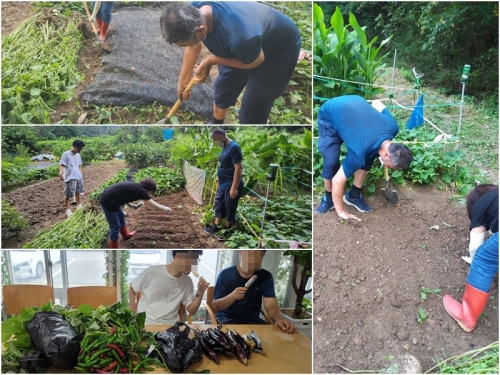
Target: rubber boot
x=126, y=234
x=104, y=31
x=99, y=24
x=467, y=312
x=113, y=244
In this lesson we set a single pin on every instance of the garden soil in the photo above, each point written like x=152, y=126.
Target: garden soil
x=367, y=277
x=42, y=204
x=142, y=67
x=13, y=13
x=178, y=229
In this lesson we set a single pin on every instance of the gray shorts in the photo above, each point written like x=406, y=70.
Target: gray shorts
x=73, y=187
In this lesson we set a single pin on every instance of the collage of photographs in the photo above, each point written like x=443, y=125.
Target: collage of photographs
x=249, y=187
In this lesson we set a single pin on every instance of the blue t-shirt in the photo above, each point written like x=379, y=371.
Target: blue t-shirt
x=362, y=128
x=230, y=155
x=242, y=29
x=247, y=309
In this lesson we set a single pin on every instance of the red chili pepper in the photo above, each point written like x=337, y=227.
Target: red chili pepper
x=110, y=367
x=117, y=349
x=92, y=369
x=123, y=371
x=112, y=331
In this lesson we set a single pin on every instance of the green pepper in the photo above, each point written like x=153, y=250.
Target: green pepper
x=140, y=364
x=96, y=355
x=117, y=357
x=78, y=368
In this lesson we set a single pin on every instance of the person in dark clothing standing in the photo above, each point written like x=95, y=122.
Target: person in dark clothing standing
x=124, y=193
x=255, y=47
x=230, y=180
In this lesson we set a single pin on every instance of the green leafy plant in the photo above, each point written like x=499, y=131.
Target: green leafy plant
x=143, y=155
x=11, y=220
x=425, y=291
x=422, y=316
x=346, y=55
x=168, y=181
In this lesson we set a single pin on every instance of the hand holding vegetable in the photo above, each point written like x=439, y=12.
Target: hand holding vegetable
x=239, y=293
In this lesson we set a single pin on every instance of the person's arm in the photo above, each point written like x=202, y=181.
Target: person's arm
x=61, y=172
x=238, y=172
x=274, y=312
x=191, y=55
x=223, y=303
x=195, y=303
x=203, y=70
x=338, y=183
x=158, y=206
x=132, y=297
x=135, y=206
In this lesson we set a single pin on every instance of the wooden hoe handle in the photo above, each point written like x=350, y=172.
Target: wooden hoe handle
x=178, y=102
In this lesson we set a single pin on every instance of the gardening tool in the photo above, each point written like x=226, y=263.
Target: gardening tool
x=177, y=104
x=390, y=195
x=271, y=176
x=89, y=15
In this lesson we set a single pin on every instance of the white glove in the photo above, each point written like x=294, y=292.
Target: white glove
x=167, y=208
x=476, y=240
x=141, y=203
x=378, y=105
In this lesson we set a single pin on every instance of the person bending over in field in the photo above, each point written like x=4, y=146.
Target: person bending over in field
x=70, y=171
x=124, y=193
x=164, y=288
x=236, y=304
x=255, y=47
x=482, y=209
x=367, y=131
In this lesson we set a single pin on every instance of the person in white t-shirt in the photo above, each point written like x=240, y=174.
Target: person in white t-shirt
x=70, y=171
x=164, y=288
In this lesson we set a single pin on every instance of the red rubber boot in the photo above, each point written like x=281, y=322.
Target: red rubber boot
x=99, y=24
x=126, y=234
x=113, y=244
x=467, y=312
x=104, y=31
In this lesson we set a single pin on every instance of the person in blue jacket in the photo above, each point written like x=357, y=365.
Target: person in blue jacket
x=255, y=47
x=367, y=131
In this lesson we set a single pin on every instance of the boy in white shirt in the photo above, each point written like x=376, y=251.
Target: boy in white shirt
x=165, y=287
x=70, y=171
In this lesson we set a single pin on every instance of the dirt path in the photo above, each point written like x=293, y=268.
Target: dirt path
x=367, y=278
x=179, y=229
x=42, y=204
x=13, y=13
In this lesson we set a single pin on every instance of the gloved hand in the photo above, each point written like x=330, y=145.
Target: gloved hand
x=167, y=208
x=141, y=203
x=378, y=105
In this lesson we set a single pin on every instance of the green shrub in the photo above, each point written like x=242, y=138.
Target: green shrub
x=143, y=155
x=168, y=181
x=11, y=220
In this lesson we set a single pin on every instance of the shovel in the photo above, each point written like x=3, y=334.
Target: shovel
x=176, y=105
x=105, y=46
x=390, y=195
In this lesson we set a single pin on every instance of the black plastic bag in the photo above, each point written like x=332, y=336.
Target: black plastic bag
x=55, y=338
x=177, y=349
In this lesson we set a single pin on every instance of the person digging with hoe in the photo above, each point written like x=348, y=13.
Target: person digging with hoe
x=123, y=193
x=255, y=47
x=230, y=182
x=70, y=171
x=367, y=130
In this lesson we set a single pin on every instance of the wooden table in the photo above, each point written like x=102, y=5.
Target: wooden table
x=286, y=353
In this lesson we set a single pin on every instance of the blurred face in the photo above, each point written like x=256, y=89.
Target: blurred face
x=251, y=260
x=77, y=149
x=218, y=140
x=187, y=262
x=196, y=39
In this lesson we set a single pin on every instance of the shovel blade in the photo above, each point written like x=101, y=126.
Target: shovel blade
x=166, y=120
x=390, y=195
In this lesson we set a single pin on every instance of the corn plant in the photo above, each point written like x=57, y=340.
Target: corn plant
x=346, y=55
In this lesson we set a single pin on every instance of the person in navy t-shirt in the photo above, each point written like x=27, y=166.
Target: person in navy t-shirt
x=235, y=304
x=230, y=180
x=367, y=131
x=254, y=45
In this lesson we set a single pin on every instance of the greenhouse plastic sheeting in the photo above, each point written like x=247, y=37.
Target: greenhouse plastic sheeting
x=143, y=68
x=195, y=180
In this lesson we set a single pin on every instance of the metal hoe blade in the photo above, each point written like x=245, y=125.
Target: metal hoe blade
x=390, y=195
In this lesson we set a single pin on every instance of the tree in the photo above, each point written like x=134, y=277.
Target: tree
x=18, y=135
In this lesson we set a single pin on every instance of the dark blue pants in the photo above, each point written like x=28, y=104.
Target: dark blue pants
x=116, y=220
x=225, y=206
x=264, y=84
x=105, y=10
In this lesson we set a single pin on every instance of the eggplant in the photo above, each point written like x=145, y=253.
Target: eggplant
x=241, y=341
x=208, y=350
x=240, y=353
x=228, y=353
x=258, y=345
x=208, y=339
x=224, y=337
